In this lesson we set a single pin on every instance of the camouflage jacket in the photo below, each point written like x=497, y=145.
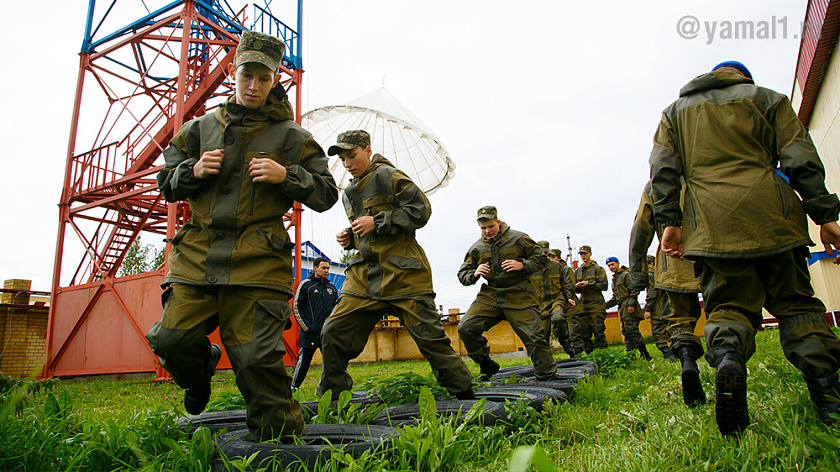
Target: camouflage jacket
x=571, y=279
x=623, y=295
x=671, y=274
x=591, y=297
x=552, y=286
x=390, y=264
x=236, y=234
x=505, y=289
x=726, y=137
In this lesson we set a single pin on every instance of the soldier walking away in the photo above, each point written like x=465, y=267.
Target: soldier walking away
x=746, y=160
x=590, y=321
x=657, y=310
x=241, y=168
x=389, y=276
x=554, y=291
x=505, y=258
x=676, y=277
x=562, y=325
x=314, y=300
x=629, y=311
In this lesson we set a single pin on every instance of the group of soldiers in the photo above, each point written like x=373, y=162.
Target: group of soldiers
x=242, y=167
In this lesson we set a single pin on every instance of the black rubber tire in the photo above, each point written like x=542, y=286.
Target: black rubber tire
x=565, y=386
x=232, y=420
x=410, y=414
x=565, y=369
x=350, y=438
x=535, y=396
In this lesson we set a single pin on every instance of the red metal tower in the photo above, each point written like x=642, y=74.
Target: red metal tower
x=137, y=84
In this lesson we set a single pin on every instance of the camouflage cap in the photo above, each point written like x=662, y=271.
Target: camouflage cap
x=556, y=253
x=487, y=213
x=651, y=259
x=584, y=249
x=543, y=244
x=260, y=48
x=349, y=140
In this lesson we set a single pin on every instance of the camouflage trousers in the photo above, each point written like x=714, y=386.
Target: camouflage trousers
x=586, y=324
x=685, y=312
x=630, y=327
x=346, y=332
x=735, y=290
x=525, y=322
x=659, y=326
x=251, y=323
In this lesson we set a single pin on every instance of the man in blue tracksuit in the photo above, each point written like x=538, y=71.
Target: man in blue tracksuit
x=315, y=298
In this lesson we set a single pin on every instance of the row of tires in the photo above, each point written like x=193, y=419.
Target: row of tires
x=318, y=441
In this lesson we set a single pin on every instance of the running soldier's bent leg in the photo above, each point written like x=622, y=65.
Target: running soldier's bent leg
x=527, y=325
x=807, y=341
x=471, y=328
x=343, y=338
x=190, y=313
x=423, y=323
x=251, y=325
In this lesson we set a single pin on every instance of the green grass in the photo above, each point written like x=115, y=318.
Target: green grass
x=630, y=418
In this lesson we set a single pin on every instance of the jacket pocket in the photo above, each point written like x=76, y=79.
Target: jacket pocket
x=375, y=204
x=689, y=206
x=781, y=184
x=181, y=233
x=274, y=241
x=357, y=259
x=405, y=262
x=272, y=316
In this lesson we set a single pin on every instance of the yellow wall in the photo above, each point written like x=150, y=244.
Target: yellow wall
x=394, y=343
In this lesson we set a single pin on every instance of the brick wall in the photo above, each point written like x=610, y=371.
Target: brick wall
x=23, y=332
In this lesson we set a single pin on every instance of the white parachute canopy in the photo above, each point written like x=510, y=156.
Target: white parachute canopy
x=395, y=133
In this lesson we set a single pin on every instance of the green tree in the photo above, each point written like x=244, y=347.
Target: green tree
x=142, y=258
x=346, y=255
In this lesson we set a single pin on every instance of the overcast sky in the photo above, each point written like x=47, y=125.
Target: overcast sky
x=548, y=108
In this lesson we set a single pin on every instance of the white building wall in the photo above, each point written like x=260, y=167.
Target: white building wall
x=825, y=132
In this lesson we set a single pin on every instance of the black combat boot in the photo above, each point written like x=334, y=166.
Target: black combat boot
x=731, y=410
x=667, y=353
x=196, y=398
x=643, y=351
x=566, y=345
x=489, y=369
x=825, y=393
x=465, y=395
x=693, y=394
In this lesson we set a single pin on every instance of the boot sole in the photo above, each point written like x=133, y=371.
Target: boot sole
x=731, y=399
x=692, y=389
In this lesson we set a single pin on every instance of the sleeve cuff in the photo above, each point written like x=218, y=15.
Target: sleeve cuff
x=823, y=209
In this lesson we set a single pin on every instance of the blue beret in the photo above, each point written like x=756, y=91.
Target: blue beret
x=735, y=64
x=612, y=259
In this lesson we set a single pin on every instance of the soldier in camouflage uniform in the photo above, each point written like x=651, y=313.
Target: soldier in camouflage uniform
x=561, y=324
x=745, y=226
x=629, y=311
x=230, y=265
x=506, y=258
x=590, y=320
x=676, y=278
x=390, y=275
x=657, y=310
x=555, y=294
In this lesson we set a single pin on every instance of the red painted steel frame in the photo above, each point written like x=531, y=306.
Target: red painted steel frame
x=98, y=319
